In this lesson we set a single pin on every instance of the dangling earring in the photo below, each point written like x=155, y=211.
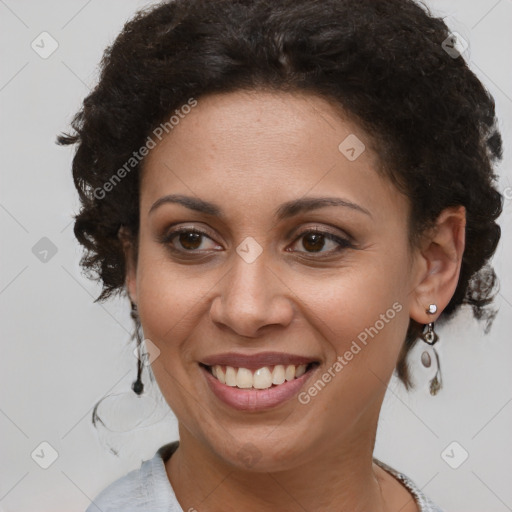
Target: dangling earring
x=430, y=337
x=137, y=386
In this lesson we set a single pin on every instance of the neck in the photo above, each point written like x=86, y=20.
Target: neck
x=341, y=477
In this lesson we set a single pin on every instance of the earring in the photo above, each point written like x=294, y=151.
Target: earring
x=430, y=337
x=137, y=386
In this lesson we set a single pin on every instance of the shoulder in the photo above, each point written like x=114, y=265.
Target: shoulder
x=122, y=494
x=424, y=503
x=145, y=488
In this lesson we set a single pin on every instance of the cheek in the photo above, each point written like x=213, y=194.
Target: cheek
x=364, y=315
x=167, y=312
x=166, y=303
x=363, y=321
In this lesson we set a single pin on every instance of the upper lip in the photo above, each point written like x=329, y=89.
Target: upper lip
x=255, y=361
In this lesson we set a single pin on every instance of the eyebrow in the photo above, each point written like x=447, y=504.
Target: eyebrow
x=284, y=211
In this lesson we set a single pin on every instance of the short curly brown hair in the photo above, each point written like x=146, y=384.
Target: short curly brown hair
x=432, y=120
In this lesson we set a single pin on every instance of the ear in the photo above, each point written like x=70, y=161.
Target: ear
x=130, y=266
x=438, y=264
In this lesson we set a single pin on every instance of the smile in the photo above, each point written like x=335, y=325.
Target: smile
x=262, y=378
x=258, y=389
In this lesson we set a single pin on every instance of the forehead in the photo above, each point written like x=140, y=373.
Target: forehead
x=237, y=124
x=250, y=148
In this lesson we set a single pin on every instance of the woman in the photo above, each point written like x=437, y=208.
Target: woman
x=281, y=190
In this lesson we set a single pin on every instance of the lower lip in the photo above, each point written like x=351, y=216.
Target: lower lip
x=256, y=399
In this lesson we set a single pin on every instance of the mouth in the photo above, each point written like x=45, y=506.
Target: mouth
x=266, y=377
x=257, y=382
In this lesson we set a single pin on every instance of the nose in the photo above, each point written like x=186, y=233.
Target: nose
x=251, y=298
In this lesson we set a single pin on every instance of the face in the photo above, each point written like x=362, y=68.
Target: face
x=259, y=273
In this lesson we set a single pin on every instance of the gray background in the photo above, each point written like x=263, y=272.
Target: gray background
x=61, y=353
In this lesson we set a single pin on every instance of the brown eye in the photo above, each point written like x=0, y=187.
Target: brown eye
x=185, y=240
x=190, y=240
x=315, y=240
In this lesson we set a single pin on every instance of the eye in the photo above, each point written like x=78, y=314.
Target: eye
x=314, y=240
x=189, y=240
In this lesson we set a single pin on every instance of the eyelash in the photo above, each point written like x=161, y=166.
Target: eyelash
x=343, y=242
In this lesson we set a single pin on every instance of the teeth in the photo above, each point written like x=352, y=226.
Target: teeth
x=220, y=374
x=300, y=371
x=263, y=378
x=278, y=375
x=290, y=372
x=244, y=378
x=231, y=376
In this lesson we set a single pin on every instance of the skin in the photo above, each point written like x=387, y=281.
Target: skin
x=248, y=152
